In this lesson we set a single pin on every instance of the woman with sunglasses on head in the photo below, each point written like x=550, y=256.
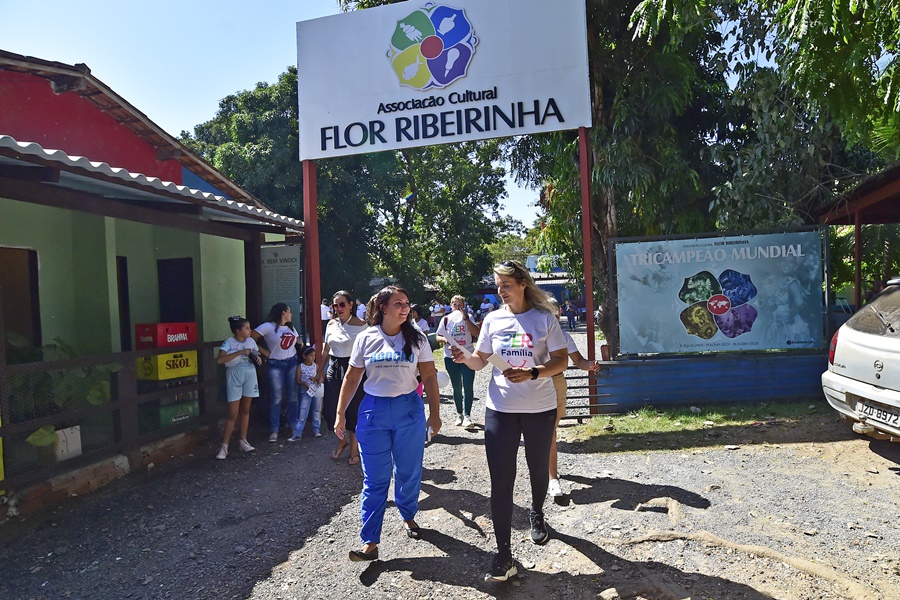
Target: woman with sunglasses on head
x=338, y=338
x=392, y=425
x=280, y=338
x=521, y=400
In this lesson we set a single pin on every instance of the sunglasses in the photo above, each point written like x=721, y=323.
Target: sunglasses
x=509, y=264
x=340, y=304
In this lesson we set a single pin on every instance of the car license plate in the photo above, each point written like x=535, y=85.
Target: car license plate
x=880, y=413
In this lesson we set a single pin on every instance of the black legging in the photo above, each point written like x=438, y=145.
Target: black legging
x=334, y=378
x=502, y=432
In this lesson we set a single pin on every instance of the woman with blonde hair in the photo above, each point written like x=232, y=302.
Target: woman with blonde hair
x=525, y=345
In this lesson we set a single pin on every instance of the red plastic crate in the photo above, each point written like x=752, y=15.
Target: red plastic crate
x=164, y=335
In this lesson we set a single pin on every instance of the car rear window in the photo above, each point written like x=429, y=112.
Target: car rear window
x=888, y=306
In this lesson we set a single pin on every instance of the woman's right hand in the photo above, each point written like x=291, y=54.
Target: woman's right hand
x=340, y=425
x=457, y=354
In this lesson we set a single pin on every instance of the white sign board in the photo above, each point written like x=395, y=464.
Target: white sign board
x=423, y=73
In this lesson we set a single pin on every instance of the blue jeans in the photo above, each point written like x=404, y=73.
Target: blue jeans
x=282, y=385
x=391, y=433
x=307, y=401
x=463, y=379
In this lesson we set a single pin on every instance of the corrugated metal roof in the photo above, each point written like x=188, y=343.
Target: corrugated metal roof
x=100, y=178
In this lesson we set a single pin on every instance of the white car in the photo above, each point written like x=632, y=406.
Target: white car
x=862, y=382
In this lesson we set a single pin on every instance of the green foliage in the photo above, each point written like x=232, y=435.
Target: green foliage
x=511, y=246
x=880, y=256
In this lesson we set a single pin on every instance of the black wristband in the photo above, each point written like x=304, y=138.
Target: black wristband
x=534, y=373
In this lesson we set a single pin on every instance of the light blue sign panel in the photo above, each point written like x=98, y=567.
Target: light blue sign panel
x=750, y=292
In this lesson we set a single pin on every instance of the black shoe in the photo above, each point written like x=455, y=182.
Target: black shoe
x=363, y=556
x=413, y=533
x=539, y=533
x=502, y=568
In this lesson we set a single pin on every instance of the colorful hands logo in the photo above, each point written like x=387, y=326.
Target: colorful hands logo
x=718, y=304
x=432, y=47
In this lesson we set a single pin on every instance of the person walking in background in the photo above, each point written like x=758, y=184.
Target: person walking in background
x=327, y=313
x=559, y=384
x=461, y=330
x=521, y=402
x=338, y=337
x=569, y=311
x=437, y=311
x=310, y=400
x=280, y=338
x=417, y=318
x=392, y=425
x=240, y=355
x=360, y=310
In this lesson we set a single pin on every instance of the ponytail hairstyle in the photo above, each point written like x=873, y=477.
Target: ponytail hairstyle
x=534, y=295
x=411, y=334
x=275, y=314
x=236, y=322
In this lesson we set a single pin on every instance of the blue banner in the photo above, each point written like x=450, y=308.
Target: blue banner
x=716, y=294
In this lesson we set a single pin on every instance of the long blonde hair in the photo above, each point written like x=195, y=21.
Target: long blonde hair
x=534, y=295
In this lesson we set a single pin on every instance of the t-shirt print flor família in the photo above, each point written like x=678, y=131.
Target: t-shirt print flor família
x=522, y=340
x=390, y=372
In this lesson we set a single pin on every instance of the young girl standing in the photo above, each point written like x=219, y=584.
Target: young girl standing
x=308, y=398
x=240, y=355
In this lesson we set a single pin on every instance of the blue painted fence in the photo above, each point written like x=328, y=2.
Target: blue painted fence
x=716, y=379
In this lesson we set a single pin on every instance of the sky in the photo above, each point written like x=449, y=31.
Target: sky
x=174, y=60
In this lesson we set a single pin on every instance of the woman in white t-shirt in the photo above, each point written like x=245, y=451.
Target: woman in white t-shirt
x=460, y=329
x=526, y=346
x=392, y=428
x=280, y=338
x=339, y=335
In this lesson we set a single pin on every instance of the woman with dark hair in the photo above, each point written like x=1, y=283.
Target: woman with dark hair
x=338, y=338
x=525, y=344
x=392, y=428
x=280, y=339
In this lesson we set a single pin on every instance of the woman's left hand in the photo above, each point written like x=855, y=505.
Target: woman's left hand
x=434, y=422
x=517, y=374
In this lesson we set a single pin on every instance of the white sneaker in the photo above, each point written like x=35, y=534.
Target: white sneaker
x=554, y=488
x=467, y=423
x=274, y=437
x=459, y=420
x=246, y=447
x=317, y=434
x=223, y=452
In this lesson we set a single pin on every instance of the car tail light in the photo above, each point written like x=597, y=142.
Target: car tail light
x=832, y=347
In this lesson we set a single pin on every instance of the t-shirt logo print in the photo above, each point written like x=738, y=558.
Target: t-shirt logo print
x=287, y=340
x=432, y=47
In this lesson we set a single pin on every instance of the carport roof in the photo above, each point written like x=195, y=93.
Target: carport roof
x=876, y=199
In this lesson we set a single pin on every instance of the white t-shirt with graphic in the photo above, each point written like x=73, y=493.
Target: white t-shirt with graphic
x=522, y=340
x=389, y=371
x=231, y=345
x=340, y=337
x=280, y=340
x=454, y=326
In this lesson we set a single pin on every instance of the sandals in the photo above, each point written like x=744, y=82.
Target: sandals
x=413, y=532
x=363, y=556
x=339, y=450
x=354, y=459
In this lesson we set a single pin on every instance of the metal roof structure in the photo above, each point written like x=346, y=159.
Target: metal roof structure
x=98, y=178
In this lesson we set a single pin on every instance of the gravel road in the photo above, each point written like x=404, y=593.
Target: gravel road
x=789, y=511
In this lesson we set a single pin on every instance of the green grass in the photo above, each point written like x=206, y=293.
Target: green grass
x=681, y=427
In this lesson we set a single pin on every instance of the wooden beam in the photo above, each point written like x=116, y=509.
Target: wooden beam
x=311, y=250
x=30, y=173
x=845, y=213
x=168, y=153
x=47, y=195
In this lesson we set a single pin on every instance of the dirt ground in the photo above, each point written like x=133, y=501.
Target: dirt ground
x=792, y=511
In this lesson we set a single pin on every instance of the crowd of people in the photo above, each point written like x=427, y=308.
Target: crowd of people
x=374, y=373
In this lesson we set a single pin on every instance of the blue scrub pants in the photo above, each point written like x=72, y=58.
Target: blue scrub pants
x=391, y=436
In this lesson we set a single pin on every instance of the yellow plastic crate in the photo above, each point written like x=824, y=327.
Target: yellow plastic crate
x=167, y=366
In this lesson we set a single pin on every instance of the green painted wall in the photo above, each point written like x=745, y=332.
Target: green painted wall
x=223, y=284
x=49, y=232
x=78, y=278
